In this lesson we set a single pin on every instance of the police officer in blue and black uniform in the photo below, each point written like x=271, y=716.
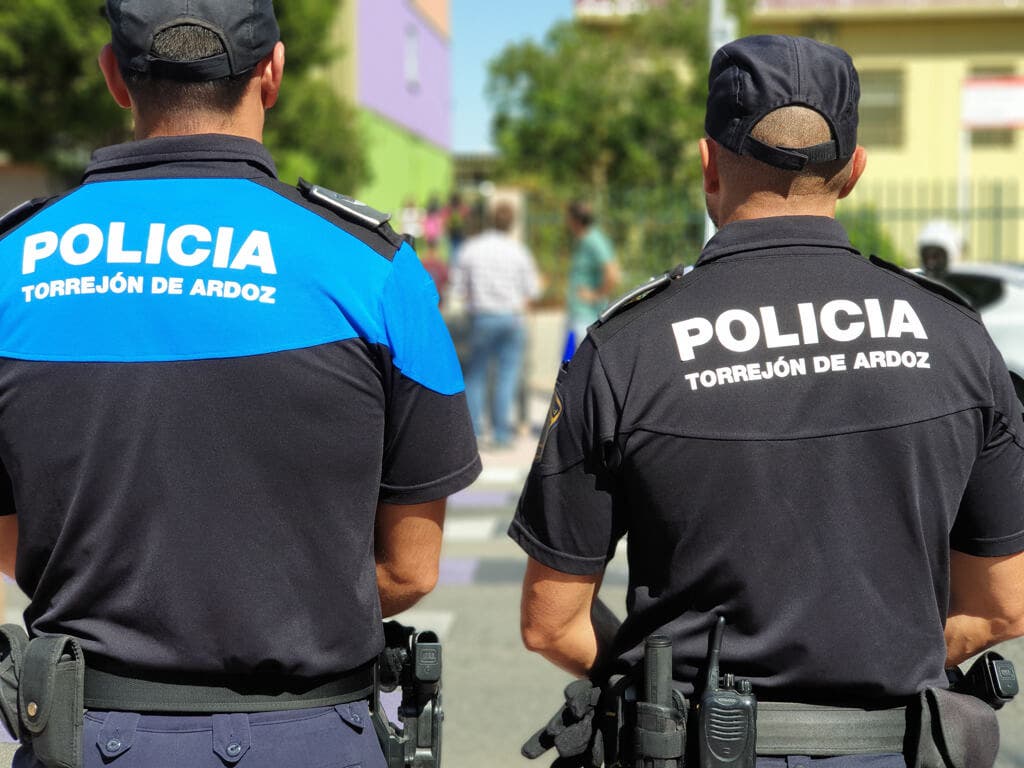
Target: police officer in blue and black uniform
x=231, y=415
x=819, y=448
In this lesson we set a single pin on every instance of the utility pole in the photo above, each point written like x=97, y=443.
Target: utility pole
x=722, y=28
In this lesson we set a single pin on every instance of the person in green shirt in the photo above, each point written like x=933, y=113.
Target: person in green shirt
x=593, y=271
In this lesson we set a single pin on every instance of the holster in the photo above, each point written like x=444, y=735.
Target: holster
x=951, y=730
x=42, y=685
x=13, y=641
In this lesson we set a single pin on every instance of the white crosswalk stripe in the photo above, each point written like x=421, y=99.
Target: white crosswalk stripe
x=471, y=528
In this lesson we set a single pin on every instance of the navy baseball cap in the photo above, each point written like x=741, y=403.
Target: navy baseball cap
x=247, y=28
x=756, y=75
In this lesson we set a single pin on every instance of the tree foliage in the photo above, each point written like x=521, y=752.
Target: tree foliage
x=598, y=109
x=54, y=106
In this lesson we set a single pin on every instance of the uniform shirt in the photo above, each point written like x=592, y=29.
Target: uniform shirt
x=208, y=383
x=495, y=274
x=793, y=437
x=591, y=254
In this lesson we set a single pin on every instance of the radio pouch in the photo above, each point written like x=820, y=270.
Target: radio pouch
x=954, y=730
x=50, y=700
x=13, y=640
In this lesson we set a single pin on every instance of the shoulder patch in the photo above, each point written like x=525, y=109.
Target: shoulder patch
x=21, y=213
x=651, y=288
x=943, y=290
x=351, y=210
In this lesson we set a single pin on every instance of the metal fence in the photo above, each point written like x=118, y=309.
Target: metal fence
x=653, y=230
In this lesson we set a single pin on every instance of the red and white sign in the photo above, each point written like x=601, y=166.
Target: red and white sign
x=993, y=102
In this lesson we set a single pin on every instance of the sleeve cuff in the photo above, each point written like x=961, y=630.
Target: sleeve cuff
x=998, y=547
x=576, y=565
x=435, y=489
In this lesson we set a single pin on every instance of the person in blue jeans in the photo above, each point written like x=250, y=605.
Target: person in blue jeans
x=496, y=278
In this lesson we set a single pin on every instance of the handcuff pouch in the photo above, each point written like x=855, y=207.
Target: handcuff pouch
x=13, y=640
x=51, y=700
x=952, y=730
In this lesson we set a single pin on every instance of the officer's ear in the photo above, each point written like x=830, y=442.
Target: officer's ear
x=859, y=162
x=709, y=165
x=112, y=74
x=271, y=72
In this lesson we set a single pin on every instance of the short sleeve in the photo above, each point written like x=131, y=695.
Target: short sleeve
x=990, y=521
x=429, y=447
x=565, y=517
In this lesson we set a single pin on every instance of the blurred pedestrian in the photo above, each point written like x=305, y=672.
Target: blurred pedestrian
x=456, y=216
x=593, y=271
x=496, y=278
x=940, y=245
x=410, y=219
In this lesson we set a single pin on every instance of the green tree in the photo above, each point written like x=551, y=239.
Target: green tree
x=54, y=107
x=592, y=108
x=612, y=113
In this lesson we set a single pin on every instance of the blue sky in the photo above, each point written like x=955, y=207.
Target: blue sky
x=480, y=30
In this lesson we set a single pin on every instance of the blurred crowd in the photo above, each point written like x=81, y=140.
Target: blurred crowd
x=487, y=280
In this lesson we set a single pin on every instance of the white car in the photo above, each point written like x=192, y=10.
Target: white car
x=997, y=291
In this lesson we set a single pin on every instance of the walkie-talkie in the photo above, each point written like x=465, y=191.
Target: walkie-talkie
x=727, y=717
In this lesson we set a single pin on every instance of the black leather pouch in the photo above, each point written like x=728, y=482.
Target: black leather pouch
x=50, y=700
x=951, y=730
x=13, y=641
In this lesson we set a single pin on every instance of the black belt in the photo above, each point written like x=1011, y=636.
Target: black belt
x=785, y=728
x=104, y=690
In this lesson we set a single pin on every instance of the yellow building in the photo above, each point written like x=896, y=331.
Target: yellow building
x=914, y=57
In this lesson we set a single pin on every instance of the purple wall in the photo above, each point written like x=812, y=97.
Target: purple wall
x=382, y=39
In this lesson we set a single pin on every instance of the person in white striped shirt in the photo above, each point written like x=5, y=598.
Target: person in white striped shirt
x=496, y=278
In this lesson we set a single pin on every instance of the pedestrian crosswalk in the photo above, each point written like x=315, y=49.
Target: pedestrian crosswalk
x=468, y=529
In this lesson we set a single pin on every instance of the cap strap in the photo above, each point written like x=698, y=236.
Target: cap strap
x=210, y=68
x=794, y=159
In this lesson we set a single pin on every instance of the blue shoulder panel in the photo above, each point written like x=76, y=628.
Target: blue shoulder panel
x=185, y=269
x=419, y=340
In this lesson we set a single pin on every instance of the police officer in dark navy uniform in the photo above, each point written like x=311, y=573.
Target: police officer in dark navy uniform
x=231, y=417
x=817, y=447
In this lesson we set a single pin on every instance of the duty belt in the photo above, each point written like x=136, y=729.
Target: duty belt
x=786, y=728
x=107, y=691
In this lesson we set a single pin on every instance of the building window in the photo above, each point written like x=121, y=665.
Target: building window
x=994, y=138
x=412, y=58
x=881, y=108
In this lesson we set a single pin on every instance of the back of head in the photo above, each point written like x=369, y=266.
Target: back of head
x=581, y=212
x=179, y=57
x=503, y=217
x=784, y=110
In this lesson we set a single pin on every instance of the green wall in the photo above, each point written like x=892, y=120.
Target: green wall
x=402, y=165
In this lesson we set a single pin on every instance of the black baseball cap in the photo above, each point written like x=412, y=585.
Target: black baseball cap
x=756, y=75
x=247, y=28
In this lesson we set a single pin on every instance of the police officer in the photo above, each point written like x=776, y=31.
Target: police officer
x=810, y=444
x=231, y=417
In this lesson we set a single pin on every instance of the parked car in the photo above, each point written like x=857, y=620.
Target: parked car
x=997, y=291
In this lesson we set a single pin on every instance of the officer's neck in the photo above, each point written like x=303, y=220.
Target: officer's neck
x=768, y=205
x=245, y=121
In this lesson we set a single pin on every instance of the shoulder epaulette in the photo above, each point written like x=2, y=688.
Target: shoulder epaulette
x=943, y=290
x=1018, y=385
x=351, y=210
x=21, y=213
x=651, y=288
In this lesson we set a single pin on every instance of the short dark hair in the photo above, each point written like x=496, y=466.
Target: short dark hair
x=582, y=211
x=790, y=126
x=186, y=42
x=503, y=216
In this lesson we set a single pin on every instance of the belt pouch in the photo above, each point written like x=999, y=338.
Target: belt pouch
x=50, y=700
x=13, y=640
x=953, y=730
